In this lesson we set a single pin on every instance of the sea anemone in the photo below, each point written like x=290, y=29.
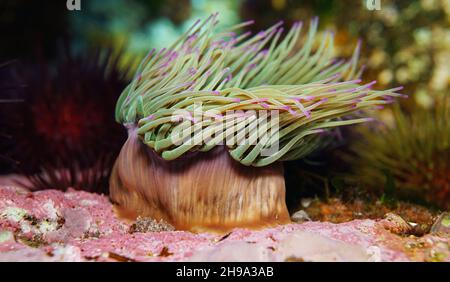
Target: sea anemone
x=193, y=85
x=62, y=135
x=409, y=159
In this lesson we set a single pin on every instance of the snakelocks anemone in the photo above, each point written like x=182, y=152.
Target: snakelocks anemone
x=211, y=118
x=412, y=153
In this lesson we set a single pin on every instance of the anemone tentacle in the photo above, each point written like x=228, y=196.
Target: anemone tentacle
x=222, y=71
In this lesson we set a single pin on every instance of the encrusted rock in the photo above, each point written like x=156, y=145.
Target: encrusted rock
x=93, y=232
x=77, y=222
x=314, y=247
x=6, y=236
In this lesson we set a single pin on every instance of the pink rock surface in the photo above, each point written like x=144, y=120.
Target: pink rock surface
x=80, y=226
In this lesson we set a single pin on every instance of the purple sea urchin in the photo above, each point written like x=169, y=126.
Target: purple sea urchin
x=64, y=138
x=230, y=184
x=8, y=98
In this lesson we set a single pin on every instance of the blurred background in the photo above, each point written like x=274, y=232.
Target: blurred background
x=48, y=51
x=404, y=43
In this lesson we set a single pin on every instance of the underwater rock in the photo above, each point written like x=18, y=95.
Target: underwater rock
x=77, y=222
x=248, y=252
x=29, y=254
x=87, y=229
x=312, y=247
x=442, y=225
x=6, y=236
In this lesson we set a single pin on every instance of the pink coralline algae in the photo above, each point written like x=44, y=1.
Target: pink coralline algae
x=79, y=226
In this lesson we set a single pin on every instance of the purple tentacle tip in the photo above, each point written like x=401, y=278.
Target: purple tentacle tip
x=362, y=95
x=336, y=75
x=150, y=53
x=292, y=112
x=251, y=66
x=264, y=52
x=309, y=98
x=192, y=70
x=245, y=34
x=264, y=105
x=307, y=114
x=370, y=84
x=249, y=22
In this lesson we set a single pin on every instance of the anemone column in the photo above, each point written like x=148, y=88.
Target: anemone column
x=199, y=191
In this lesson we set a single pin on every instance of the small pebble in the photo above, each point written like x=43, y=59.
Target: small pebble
x=300, y=216
x=146, y=224
x=306, y=202
x=396, y=224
